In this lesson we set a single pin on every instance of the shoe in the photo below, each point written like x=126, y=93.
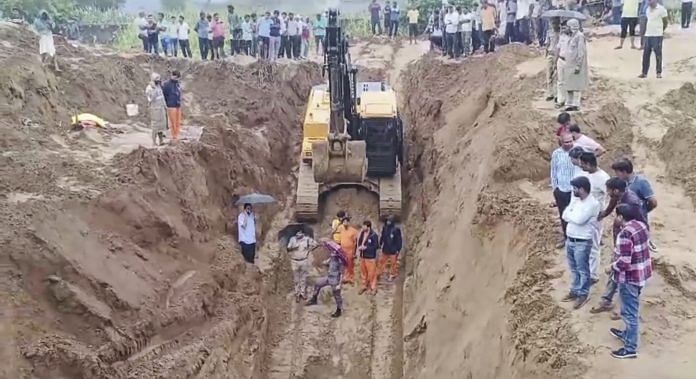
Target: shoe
x=569, y=297
x=580, y=301
x=594, y=281
x=362, y=291
x=297, y=298
x=337, y=313
x=549, y=98
x=659, y=76
x=604, y=306
x=617, y=333
x=618, y=48
x=312, y=301
x=652, y=245
x=615, y=316
x=572, y=108
x=642, y=76
x=624, y=354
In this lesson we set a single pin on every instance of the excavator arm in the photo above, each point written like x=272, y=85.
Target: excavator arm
x=338, y=159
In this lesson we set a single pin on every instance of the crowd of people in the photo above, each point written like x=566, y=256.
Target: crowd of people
x=585, y=196
x=376, y=255
x=267, y=36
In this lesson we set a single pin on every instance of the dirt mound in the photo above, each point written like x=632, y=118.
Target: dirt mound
x=126, y=266
x=682, y=99
x=479, y=249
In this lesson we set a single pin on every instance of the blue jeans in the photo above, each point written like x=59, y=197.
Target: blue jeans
x=630, y=299
x=578, y=253
x=610, y=290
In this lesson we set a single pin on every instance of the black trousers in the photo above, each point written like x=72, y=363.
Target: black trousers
x=451, y=44
x=376, y=27
x=185, y=48
x=628, y=26
x=562, y=200
x=203, y=47
x=394, y=28
x=236, y=42
x=146, y=43
x=285, y=47
x=686, y=10
x=652, y=44
x=248, y=251
x=488, y=41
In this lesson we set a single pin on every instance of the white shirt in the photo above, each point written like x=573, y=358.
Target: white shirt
x=183, y=31
x=247, y=233
x=283, y=26
x=587, y=144
x=140, y=24
x=293, y=28
x=654, y=27
x=467, y=21
x=598, y=185
x=563, y=41
x=246, y=31
x=451, y=22
x=579, y=215
x=522, y=9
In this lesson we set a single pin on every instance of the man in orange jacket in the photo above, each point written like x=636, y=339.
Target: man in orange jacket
x=368, y=244
x=348, y=241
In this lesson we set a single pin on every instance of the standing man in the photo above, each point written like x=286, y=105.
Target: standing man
x=319, y=31
x=562, y=52
x=686, y=10
x=623, y=168
x=294, y=37
x=158, y=109
x=522, y=21
x=451, y=27
x=246, y=230
x=551, y=53
x=656, y=16
x=218, y=28
x=47, y=49
x=598, y=183
x=299, y=248
x=349, y=242
x=375, y=9
x=476, y=33
x=142, y=24
x=247, y=36
x=580, y=215
x=585, y=142
x=488, y=26
x=264, y=26
x=201, y=29
x=394, y=17
x=511, y=15
x=172, y=97
x=629, y=20
x=466, y=22
x=412, y=16
x=631, y=271
x=173, y=36
x=368, y=243
x=183, y=36
x=391, y=243
x=234, y=22
x=387, y=18
x=163, y=30
x=576, y=72
x=336, y=226
x=275, y=30
x=562, y=171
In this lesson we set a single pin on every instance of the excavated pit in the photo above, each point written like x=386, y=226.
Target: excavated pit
x=126, y=266
x=118, y=260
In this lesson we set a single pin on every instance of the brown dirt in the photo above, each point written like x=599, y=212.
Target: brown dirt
x=127, y=266
x=480, y=251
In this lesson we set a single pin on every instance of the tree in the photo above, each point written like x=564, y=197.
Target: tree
x=173, y=4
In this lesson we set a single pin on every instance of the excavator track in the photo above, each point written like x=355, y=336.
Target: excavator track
x=390, y=196
x=307, y=197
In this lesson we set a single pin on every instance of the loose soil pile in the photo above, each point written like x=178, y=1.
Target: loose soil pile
x=127, y=266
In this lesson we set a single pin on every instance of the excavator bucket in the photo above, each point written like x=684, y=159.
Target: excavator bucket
x=339, y=161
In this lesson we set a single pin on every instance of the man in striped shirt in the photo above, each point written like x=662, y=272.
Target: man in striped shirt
x=632, y=268
x=562, y=172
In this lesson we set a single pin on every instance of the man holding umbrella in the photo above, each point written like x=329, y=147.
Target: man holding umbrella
x=246, y=230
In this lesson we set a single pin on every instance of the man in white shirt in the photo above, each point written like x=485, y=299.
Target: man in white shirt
x=585, y=142
x=466, y=22
x=182, y=34
x=172, y=36
x=293, y=32
x=246, y=229
x=522, y=20
x=562, y=51
x=141, y=25
x=579, y=215
x=451, y=27
x=598, y=183
x=654, y=31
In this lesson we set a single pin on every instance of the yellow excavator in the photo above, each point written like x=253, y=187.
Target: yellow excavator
x=353, y=135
